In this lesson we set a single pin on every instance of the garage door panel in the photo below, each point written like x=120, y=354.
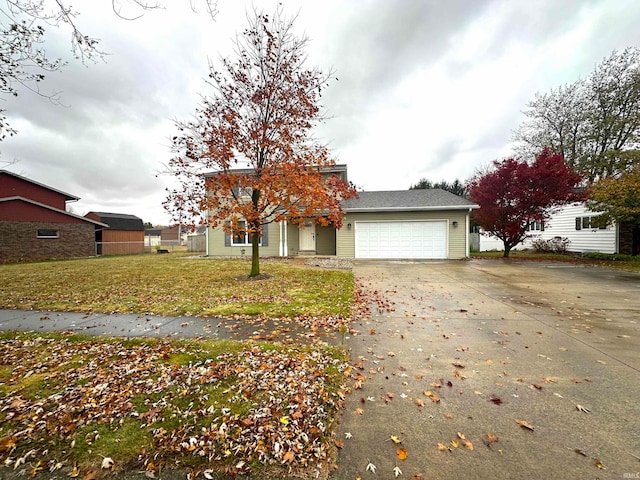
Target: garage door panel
x=401, y=239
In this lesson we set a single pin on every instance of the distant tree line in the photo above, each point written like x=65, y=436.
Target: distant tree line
x=456, y=187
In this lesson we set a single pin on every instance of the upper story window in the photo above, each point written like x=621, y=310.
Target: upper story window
x=47, y=233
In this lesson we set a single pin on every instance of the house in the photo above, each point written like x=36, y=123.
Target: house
x=586, y=233
x=123, y=234
x=407, y=224
x=35, y=223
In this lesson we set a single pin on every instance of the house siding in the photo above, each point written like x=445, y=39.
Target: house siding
x=18, y=241
x=345, y=240
x=325, y=240
x=293, y=238
x=11, y=186
x=18, y=211
x=563, y=224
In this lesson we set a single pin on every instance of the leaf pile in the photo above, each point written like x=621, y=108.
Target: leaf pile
x=152, y=405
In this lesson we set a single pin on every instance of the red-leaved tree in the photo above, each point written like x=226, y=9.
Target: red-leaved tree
x=514, y=194
x=248, y=158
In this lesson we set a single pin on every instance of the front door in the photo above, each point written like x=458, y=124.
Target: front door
x=308, y=236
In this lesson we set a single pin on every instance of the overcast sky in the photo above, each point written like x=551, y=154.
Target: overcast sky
x=426, y=88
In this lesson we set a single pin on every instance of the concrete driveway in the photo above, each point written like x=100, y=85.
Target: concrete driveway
x=553, y=346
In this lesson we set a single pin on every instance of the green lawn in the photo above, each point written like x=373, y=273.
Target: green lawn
x=175, y=284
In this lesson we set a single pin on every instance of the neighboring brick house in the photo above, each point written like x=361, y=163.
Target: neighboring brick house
x=123, y=235
x=34, y=223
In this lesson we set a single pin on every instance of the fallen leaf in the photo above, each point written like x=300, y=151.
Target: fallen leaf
x=525, y=424
x=598, y=464
x=401, y=453
x=490, y=438
x=419, y=402
x=582, y=409
x=395, y=439
x=288, y=457
x=358, y=411
x=458, y=364
x=434, y=398
x=107, y=463
x=396, y=471
x=90, y=475
x=442, y=447
x=391, y=354
x=339, y=443
x=371, y=468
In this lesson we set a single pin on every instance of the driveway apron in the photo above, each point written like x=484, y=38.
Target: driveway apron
x=491, y=369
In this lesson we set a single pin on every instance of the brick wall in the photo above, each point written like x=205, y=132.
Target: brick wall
x=19, y=242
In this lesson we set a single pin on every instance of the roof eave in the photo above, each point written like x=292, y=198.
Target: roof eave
x=409, y=209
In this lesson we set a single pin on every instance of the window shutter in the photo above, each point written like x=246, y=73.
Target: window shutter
x=227, y=237
x=578, y=223
x=265, y=235
x=542, y=225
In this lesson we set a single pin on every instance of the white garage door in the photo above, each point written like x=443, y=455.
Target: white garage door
x=401, y=239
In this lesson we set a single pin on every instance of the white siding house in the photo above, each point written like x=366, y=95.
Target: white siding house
x=575, y=222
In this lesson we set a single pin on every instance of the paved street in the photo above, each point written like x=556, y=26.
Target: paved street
x=496, y=343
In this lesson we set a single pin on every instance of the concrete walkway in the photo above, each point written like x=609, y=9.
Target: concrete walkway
x=136, y=325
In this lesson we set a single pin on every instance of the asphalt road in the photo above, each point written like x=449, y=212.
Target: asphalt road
x=553, y=346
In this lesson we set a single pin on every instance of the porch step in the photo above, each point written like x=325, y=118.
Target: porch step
x=307, y=253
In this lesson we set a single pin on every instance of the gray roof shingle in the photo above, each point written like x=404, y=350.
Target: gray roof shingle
x=407, y=200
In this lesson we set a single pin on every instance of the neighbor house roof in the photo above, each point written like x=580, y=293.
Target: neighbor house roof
x=407, y=200
x=50, y=208
x=68, y=196
x=119, y=221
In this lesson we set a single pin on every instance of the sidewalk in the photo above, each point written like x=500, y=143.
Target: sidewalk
x=138, y=325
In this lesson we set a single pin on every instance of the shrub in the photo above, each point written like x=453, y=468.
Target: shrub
x=553, y=245
x=613, y=257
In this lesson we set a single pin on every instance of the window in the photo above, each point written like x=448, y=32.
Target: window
x=47, y=233
x=595, y=222
x=241, y=236
x=536, y=225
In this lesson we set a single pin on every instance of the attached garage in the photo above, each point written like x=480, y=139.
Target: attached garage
x=405, y=224
x=406, y=239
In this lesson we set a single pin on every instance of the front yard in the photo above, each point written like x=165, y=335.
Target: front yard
x=76, y=406
x=175, y=284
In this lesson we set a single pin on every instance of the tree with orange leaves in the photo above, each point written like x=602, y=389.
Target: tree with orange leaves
x=248, y=156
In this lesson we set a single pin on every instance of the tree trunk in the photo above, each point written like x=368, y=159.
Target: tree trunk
x=507, y=250
x=255, y=255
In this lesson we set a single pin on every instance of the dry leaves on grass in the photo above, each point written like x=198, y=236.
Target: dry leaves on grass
x=226, y=410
